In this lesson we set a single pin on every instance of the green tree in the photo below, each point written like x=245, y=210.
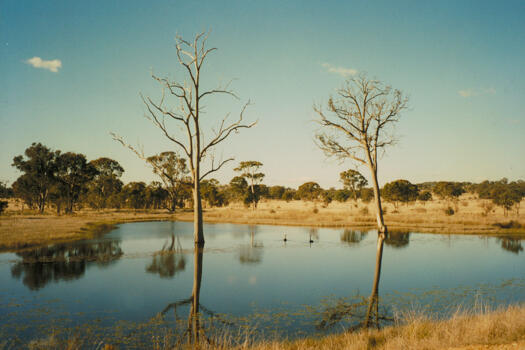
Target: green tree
x=367, y=194
x=249, y=170
x=289, y=194
x=238, y=188
x=276, y=192
x=3, y=206
x=400, y=191
x=211, y=193
x=74, y=173
x=39, y=167
x=353, y=181
x=103, y=190
x=173, y=172
x=506, y=198
x=309, y=191
x=424, y=196
x=133, y=195
x=448, y=190
x=156, y=196
x=5, y=192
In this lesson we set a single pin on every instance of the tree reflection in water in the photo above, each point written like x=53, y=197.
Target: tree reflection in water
x=511, y=244
x=397, y=239
x=251, y=253
x=366, y=311
x=194, y=332
x=353, y=237
x=169, y=260
x=63, y=261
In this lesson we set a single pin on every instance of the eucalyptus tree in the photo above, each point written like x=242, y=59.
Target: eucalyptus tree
x=353, y=181
x=249, y=170
x=74, y=173
x=106, y=184
x=173, y=172
x=39, y=167
x=188, y=113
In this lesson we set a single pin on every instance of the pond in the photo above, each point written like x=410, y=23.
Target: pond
x=139, y=281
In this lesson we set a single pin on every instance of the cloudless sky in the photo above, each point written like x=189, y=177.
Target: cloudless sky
x=460, y=62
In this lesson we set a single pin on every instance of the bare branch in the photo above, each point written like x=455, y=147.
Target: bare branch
x=215, y=168
x=224, y=132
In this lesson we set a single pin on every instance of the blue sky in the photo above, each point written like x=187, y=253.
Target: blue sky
x=460, y=62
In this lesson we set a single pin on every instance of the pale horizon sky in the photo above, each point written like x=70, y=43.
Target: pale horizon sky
x=71, y=73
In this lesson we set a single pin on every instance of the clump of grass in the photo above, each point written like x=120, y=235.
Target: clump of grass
x=510, y=224
x=449, y=211
x=315, y=211
x=363, y=211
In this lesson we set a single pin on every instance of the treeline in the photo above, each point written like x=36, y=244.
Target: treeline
x=68, y=181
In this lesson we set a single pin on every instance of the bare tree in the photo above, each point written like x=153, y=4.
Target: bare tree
x=187, y=115
x=357, y=126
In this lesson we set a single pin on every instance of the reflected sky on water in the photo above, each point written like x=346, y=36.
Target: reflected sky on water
x=138, y=269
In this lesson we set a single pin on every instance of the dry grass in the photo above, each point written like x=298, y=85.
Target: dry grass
x=19, y=231
x=420, y=332
x=24, y=229
x=466, y=330
x=469, y=216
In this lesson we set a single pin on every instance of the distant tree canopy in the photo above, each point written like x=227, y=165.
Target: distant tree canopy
x=39, y=167
x=249, y=170
x=502, y=193
x=400, y=191
x=172, y=170
x=5, y=192
x=68, y=181
x=309, y=191
x=448, y=190
x=353, y=181
x=106, y=184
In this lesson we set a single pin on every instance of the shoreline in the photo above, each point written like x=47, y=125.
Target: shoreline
x=20, y=231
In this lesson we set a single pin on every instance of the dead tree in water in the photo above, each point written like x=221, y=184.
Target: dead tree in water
x=357, y=126
x=188, y=114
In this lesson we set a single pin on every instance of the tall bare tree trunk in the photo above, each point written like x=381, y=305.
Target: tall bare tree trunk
x=198, y=232
x=374, y=296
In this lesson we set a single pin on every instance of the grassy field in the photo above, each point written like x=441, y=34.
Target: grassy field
x=19, y=229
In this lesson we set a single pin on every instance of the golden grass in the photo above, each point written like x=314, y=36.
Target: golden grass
x=19, y=230
x=465, y=330
x=471, y=329
x=27, y=230
x=430, y=217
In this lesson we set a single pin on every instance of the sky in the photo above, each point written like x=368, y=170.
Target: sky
x=71, y=72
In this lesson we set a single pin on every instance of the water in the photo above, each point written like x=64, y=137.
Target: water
x=138, y=280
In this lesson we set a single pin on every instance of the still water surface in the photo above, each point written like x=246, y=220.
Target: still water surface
x=119, y=283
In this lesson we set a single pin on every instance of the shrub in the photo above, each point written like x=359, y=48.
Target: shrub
x=3, y=205
x=449, y=211
x=363, y=211
x=510, y=224
x=316, y=210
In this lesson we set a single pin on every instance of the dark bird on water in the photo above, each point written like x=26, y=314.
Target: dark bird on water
x=285, y=240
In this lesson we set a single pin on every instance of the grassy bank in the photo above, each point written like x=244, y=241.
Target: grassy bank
x=474, y=329
x=20, y=230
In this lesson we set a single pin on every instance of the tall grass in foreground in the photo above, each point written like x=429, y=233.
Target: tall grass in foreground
x=413, y=330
